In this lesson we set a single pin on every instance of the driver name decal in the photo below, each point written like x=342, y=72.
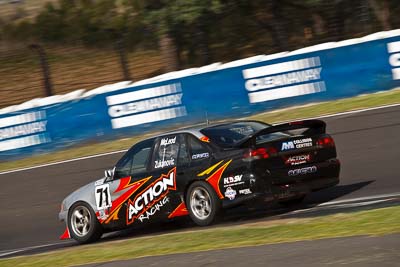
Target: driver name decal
x=146, y=199
x=164, y=163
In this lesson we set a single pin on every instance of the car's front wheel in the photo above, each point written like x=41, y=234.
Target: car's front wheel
x=83, y=224
x=203, y=204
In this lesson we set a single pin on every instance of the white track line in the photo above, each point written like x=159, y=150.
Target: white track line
x=64, y=161
x=14, y=251
x=360, y=199
x=120, y=151
x=2, y=254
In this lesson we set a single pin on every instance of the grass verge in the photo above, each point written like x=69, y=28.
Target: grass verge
x=318, y=109
x=373, y=222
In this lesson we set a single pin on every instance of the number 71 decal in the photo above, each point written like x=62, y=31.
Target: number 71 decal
x=103, y=197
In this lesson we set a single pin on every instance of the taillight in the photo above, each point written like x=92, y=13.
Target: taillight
x=259, y=153
x=326, y=141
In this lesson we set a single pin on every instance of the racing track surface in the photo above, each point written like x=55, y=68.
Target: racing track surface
x=368, y=145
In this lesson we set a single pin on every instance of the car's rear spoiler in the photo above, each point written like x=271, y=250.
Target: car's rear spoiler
x=312, y=127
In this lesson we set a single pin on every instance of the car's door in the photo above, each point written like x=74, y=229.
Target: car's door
x=131, y=174
x=194, y=157
x=169, y=161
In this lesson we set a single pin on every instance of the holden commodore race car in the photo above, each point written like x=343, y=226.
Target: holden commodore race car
x=199, y=172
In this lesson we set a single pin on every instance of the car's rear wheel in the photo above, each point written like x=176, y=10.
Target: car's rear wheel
x=203, y=204
x=83, y=224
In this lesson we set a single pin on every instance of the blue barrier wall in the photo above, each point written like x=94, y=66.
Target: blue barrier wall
x=325, y=72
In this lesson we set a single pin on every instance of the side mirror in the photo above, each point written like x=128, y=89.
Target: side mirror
x=109, y=174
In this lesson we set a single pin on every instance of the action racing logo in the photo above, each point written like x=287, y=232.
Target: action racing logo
x=298, y=159
x=146, y=199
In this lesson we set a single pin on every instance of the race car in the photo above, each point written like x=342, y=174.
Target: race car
x=199, y=172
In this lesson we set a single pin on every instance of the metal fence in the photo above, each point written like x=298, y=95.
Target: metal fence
x=34, y=68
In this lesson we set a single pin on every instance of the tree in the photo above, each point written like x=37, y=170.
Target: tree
x=169, y=19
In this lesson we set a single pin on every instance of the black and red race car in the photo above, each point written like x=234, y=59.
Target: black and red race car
x=201, y=171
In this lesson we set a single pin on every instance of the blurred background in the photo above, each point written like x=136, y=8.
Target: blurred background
x=58, y=46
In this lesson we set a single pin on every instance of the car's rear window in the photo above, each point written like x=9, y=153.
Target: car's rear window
x=227, y=135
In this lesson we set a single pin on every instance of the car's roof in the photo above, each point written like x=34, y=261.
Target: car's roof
x=196, y=130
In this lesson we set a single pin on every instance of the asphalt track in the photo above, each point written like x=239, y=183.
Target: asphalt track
x=368, y=145
x=356, y=251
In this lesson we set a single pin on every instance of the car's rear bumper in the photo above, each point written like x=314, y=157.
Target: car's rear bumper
x=279, y=185
x=315, y=177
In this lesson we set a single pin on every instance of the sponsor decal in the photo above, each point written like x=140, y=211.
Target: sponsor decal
x=153, y=210
x=99, y=182
x=233, y=180
x=23, y=130
x=200, y=156
x=102, y=215
x=296, y=144
x=298, y=159
x=394, y=59
x=146, y=106
x=246, y=191
x=146, y=199
x=302, y=171
x=103, y=197
x=285, y=79
x=230, y=193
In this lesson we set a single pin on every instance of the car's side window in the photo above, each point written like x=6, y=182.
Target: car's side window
x=198, y=151
x=167, y=151
x=123, y=167
x=135, y=160
x=140, y=160
x=183, y=158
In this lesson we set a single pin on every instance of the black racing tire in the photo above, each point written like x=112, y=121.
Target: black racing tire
x=203, y=204
x=293, y=201
x=82, y=223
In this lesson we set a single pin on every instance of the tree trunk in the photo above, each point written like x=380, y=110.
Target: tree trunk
x=168, y=52
x=382, y=13
x=273, y=20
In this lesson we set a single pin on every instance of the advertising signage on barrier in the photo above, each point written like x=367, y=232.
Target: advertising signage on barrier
x=282, y=80
x=23, y=130
x=219, y=91
x=146, y=106
x=394, y=59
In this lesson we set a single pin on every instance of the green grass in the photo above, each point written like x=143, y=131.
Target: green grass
x=359, y=102
x=331, y=107
x=373, y=222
